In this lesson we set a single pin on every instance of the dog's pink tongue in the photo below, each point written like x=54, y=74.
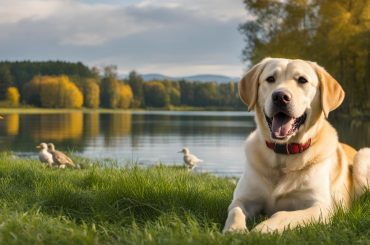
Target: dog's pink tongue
x=281, y=125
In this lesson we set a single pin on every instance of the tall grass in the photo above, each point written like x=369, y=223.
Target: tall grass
x=132, y=205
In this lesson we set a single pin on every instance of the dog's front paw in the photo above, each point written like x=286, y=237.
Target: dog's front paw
x=264, y=227
x=277, y=223
x=235, y=228
x=235, y=221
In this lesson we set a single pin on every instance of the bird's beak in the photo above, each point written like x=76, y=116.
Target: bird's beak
x=179, y=152
x=38, y=147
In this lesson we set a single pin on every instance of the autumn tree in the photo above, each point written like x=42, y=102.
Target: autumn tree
x=12, y=96
x=54, y=92
x=125, y=96
x=91, y=92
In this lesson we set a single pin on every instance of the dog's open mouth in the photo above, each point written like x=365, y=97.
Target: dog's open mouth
x=282, y=125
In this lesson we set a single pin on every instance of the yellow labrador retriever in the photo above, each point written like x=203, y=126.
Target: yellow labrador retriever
x=296, y=170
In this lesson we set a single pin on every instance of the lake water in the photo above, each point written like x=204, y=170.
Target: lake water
x=150, y=137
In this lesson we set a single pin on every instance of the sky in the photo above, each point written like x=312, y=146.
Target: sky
x=171, y=37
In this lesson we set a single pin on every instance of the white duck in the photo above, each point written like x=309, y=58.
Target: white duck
x=190, y=160
x=44, y=155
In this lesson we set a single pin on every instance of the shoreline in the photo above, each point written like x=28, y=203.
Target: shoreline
x=34, y=110
x=39, y=110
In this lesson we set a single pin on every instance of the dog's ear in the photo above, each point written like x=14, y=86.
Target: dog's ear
x=248, y=85
x=332, y=94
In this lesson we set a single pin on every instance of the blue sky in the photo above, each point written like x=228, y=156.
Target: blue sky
x=172, y=37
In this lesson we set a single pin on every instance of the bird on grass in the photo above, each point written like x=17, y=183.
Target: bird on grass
x=59, y=158
x=190, y=160
x=44, y=155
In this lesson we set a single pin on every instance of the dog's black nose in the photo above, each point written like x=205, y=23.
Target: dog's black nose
x=281, y=98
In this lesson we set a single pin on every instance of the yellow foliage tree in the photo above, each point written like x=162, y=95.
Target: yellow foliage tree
x=125, y=96
x=12, y=96
x=55, y=92
x=91, y=93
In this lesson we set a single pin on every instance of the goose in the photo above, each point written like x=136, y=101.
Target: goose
x=191, y=161
x=61, y=159
x=44, y=155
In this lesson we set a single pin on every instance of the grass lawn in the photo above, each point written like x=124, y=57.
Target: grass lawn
x=158, y=205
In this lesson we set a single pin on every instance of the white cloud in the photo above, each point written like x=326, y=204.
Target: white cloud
x=220, y=9
x=12, y=11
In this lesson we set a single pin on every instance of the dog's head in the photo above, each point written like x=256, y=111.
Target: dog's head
x=289, y=96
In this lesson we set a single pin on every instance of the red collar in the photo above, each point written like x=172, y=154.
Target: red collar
x=293, y=148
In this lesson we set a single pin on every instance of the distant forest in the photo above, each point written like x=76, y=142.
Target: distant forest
x=59, y=84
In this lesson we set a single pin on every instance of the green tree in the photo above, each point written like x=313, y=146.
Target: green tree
x=206, y=94
x=109, y=95
x=109, y=92
x=136, y=82
x=175, y=96
x=186, y=92
x=6, y=80
x=155, y=94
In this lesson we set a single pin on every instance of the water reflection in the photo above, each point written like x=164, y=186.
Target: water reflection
x=10, y=125
x=55, y=127
x=115, y=125
x=92, y=125
x=146, y=137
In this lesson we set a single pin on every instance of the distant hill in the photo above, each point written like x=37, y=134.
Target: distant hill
x=200, y=78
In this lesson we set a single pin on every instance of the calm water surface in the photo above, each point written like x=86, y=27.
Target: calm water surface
x=150, y=137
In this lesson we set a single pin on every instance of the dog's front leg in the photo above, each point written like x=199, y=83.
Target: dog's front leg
x=239, y=212
x=236, y=219
x=283, y=220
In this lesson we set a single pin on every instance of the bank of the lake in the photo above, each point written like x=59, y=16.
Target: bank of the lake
x=133, y=205
x=34, y=110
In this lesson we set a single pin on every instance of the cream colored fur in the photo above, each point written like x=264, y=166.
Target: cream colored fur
x=294, y=190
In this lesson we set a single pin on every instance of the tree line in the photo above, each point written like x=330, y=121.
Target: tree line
x=334, y=33
x=58, y=84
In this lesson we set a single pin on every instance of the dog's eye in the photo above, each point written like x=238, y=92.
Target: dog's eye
x=270, y=79
x=302, y=80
